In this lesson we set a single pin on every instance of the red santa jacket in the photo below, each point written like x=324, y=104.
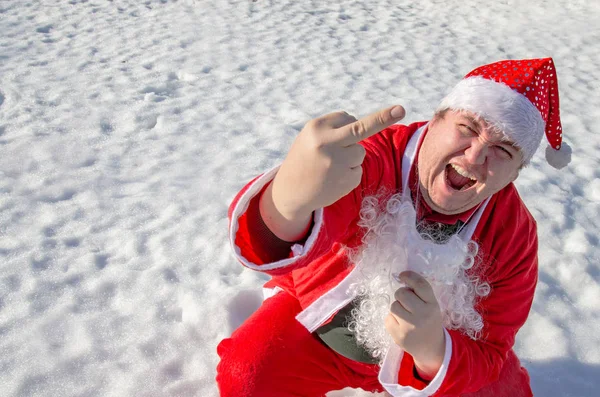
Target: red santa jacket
x=318, y=272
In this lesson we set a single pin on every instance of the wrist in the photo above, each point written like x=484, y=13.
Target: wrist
x=428, y=364
x=426, y=372
x=277, y=196
x=288, y=224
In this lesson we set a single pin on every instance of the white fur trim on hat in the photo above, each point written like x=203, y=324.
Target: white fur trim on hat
x=509, y=111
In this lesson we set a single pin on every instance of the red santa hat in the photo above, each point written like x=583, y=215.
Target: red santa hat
x=520, y=98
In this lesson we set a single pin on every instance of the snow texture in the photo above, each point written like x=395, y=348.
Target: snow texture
x=127, y=126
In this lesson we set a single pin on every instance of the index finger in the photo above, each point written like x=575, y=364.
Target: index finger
x=370, y=125
x=419, y=285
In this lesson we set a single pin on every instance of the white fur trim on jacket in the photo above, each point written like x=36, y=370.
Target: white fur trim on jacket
x=329, y=303
x=506, y=109
x=242, y=206
x=388, y=376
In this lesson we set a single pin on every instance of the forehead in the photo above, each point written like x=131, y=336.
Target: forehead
x=493, y=132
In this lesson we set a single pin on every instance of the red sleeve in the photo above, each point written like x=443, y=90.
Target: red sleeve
x=512, y=272
x=267, y=247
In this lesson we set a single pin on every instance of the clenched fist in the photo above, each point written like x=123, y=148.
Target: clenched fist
x=323, y=165
x=415, y=323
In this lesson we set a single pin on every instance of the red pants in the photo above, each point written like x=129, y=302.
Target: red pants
x=273, y=355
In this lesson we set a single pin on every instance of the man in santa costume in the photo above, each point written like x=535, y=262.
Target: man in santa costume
x=402, y=257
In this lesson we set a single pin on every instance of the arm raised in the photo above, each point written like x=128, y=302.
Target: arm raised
x=322, y=166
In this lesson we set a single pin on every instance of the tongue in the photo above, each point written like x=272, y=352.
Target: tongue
x=456, y=180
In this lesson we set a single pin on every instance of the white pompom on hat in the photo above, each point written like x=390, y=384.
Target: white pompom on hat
x=520, y=98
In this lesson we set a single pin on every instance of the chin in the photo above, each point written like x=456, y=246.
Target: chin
x=451, y=204
x=446, y=208
x=441, y=200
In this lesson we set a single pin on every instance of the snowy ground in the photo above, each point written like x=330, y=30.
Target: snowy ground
x=127, y=126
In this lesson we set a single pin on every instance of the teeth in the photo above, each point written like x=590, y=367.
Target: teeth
x=462, y=172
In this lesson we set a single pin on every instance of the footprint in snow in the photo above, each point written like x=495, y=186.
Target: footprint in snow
x=44, y=29
x=101, y=261
x=147, y=122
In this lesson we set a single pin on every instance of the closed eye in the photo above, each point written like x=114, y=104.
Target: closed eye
x=467, y=129
x=505, y=152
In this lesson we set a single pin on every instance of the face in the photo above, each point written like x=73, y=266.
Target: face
x=463, y=161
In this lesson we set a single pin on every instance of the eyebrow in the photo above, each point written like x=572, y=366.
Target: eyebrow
x=505, y=140
x=473, y=121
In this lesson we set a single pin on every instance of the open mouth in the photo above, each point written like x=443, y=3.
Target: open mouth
x=457, y=181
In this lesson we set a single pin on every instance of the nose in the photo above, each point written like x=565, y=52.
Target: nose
x=476, y=153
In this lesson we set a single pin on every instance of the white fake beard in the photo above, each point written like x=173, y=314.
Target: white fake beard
x=392, y=245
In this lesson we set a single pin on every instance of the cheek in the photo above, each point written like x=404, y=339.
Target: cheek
x=451, y=145
x=502, y=177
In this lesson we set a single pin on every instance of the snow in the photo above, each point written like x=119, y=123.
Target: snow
x=126, y=128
